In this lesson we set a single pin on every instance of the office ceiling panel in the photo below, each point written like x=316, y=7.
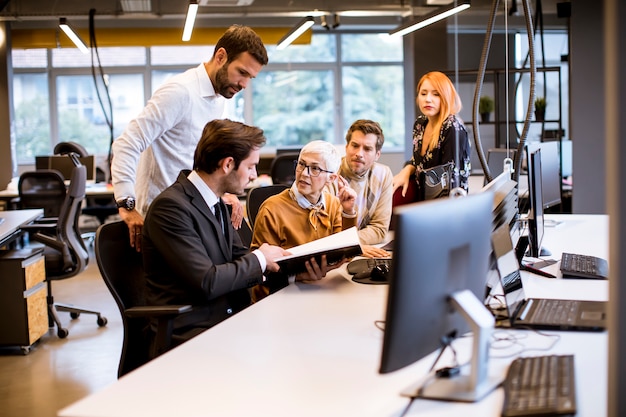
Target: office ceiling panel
x=45, y=13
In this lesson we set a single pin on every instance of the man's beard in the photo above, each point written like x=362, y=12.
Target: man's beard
x=222, y=83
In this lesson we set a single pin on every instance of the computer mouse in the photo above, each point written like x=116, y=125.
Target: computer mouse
x=380, y=273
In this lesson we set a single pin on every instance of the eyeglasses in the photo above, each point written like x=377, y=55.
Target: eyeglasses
x=314, y=171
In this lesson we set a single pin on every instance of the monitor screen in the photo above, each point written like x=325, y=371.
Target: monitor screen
x=441, y=248
x=496, y=157
x=64, y=165
x=551, y=171
x=535, y=199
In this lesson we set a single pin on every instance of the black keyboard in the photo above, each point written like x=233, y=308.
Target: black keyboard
x=361, y=266
x=540, y=386
x=574, y=265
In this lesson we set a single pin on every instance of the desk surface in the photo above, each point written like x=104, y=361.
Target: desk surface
x=14, y=219
x=314, y=350
x=91, y=190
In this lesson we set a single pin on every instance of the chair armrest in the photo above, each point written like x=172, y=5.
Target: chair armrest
x=165, y=316
x=157, y=311
x=35, y=227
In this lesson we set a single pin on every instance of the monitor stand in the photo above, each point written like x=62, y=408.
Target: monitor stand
x=464, y=387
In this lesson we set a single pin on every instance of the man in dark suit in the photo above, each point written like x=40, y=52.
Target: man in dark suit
x=190, y=255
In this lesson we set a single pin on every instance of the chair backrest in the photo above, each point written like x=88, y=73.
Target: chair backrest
x=63, y=148
x=257, y=196
x=121, y=267
x=42, y=189
x=68, y=223
x=65, y=252
x=283, y=170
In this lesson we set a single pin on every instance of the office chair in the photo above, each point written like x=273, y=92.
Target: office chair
x=42, y=189
x=256, y=197
x=121, y=267
x=65, y=253
x=64, y=148
x=283, y=170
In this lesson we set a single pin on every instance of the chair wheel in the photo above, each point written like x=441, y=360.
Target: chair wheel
x=25, y=350
x=102, y=321
x=62, y=333
x=74, y=315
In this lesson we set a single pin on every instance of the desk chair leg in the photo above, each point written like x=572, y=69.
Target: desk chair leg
x=53, y=317
x=76, y=311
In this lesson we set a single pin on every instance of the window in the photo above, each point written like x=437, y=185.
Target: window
x=306, y=92
x=32, y=116
x=294, y=107
x=80, y=110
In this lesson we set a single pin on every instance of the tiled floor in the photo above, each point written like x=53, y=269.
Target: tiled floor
x=58, y=372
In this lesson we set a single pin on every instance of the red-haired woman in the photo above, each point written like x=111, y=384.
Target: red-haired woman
x=439, y=135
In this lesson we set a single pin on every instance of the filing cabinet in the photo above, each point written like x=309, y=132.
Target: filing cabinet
x=23, y=308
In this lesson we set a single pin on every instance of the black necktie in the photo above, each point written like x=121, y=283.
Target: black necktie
x=218, y=214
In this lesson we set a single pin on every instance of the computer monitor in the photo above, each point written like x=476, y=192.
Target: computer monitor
x=505, y=202
x=535, y=211
x=496, y=157
x=551, y=171
x=289, y=149
x=440, y=259
x=64, y=165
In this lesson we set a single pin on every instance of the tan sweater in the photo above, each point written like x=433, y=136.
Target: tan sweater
x=282, y=222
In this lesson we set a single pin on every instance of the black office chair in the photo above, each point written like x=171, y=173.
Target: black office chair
x=44, y=189
x=65, y=253
x=256, y=196
x=64, y=148
x=283, y=170
x=121, y=267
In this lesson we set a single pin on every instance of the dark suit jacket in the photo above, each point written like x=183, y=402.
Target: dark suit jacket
x=189, y=260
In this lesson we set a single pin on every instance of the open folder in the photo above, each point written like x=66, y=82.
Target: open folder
x=344, y=244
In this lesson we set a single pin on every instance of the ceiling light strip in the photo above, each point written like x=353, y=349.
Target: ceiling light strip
x=192, y=11
x=429, y=19
x=65, y=27
x=295, y=32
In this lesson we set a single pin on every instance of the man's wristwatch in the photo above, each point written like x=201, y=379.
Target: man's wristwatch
x=127, y=202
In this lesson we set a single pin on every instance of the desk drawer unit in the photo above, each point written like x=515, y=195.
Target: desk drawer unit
x=23, y=308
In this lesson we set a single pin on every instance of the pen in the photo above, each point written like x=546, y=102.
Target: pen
x=538, y=271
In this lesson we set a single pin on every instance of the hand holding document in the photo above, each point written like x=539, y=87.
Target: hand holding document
x=344, y=244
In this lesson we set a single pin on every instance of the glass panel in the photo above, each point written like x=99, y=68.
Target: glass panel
x=29, y=58
x=360, y=47
x=376, y=93
x=177, y=55
x=160, y=76
x=80, y=114
x=294, y=107
x=109, y=57
x=32, y=117
x=321, y=49
x=234, y=107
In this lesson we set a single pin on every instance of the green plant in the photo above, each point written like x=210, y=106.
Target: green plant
x=485, y=105
x=540, y=104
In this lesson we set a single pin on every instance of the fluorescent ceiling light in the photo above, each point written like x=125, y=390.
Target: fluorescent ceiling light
x=192, y=11
x=430, y=18
x=295, y=32
x=65, y=26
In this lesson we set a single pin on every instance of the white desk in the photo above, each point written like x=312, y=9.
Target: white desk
x=91, y=190
x=13, y=220
x=313, y=350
